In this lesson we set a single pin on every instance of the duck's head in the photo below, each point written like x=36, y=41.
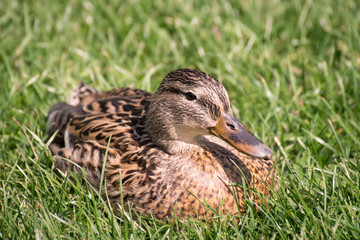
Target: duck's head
x=190, y=104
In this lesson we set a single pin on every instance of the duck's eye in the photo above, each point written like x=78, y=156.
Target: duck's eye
x=190, y=96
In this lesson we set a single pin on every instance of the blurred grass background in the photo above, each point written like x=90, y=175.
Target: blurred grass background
x=292, y=72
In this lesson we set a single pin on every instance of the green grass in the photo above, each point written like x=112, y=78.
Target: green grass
x=292, y=72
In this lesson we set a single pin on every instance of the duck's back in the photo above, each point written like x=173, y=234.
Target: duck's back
x=95, y=125
x=88, y=108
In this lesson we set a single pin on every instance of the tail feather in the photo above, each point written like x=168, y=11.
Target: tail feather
x=82, y=94
x=60, y=115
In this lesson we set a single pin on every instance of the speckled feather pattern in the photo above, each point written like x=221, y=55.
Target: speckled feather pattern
x=154, y=182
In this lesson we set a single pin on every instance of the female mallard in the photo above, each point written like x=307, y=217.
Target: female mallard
x=172, y=151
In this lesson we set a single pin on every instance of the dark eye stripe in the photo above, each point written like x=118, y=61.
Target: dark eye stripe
x=213, y=108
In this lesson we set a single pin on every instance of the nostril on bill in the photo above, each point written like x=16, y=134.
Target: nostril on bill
x=231, y=126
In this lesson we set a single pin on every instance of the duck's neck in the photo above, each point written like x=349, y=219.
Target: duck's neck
x=165, y=136
x=176, y=147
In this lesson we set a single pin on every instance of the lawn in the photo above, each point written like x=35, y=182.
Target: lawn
x=292, y=70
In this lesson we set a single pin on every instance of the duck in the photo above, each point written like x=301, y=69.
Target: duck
x=177, y=152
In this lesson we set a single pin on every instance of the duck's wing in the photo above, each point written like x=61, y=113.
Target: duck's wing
x=111, y=127
x=99, y=119
x=114, y=122
x=85, y=101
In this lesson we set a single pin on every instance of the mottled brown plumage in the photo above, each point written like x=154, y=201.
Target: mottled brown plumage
x=173, y=150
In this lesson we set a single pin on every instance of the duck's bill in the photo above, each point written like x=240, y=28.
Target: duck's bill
x=233, y=132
